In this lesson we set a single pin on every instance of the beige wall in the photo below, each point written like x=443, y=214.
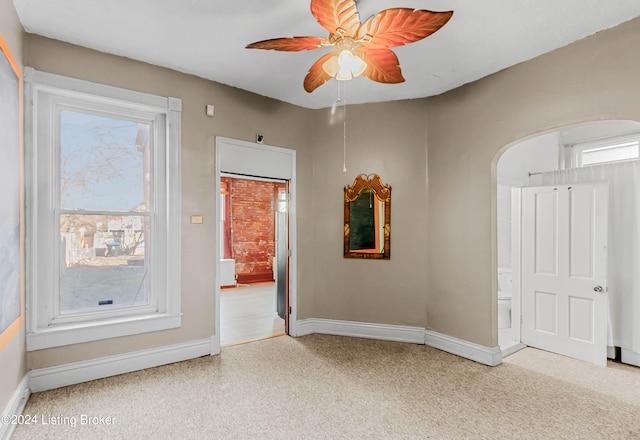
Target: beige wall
x=441, y=274
x=238, y=115
x=12, y=357
x=597, y=78
x=388, y=139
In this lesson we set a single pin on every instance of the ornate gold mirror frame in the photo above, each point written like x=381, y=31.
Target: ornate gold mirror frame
x=367, y=218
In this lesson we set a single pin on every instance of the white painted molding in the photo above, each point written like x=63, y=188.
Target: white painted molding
x=416, y=335
x=304, y=327
x=78, y=372
x=64, y=84
x=511, y=350
x=107, y=329
x=15, y=407
x=387, y=332
x=459, y=347
x=630, y=357
x=215, y=345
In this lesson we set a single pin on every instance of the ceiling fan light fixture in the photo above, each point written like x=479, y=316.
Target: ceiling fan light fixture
x=350, y=65
x=331, y=67
x=344, y=66
x=360, y=48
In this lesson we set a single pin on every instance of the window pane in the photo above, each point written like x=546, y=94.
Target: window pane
x=103, y=263
x=614, y=153
x=104, y=163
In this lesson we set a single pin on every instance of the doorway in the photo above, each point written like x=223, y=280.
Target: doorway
x=254, y=245
x=252, y=160
x=552, y=159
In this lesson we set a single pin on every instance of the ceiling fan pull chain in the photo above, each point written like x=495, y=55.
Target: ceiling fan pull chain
x=344, y=125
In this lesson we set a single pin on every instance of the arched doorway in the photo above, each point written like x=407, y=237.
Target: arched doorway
x=553, y=158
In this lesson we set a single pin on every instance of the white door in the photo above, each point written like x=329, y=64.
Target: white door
x=564, y=253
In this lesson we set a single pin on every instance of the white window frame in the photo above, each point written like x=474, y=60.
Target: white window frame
x=579, y=148
x=45, y=95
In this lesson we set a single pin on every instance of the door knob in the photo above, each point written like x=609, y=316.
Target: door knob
x=597, y=289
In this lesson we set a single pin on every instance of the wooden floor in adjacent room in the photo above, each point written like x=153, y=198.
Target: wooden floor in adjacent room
x=248, y=312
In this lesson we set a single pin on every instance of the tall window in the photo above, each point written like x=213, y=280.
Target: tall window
x=104, y=212
x=104, y=241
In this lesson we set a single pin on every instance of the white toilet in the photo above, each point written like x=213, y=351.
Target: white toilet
x=505, y=280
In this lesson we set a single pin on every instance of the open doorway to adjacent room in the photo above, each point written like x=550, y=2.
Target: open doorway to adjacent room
x=277, y=166
x=254, y=250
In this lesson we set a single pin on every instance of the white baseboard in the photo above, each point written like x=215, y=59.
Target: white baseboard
x=15, y=407
x=78, y=372
x=304, y=327
x=511, y=350
x=387, y=332
x=629, y=357
x=416, y=335
x=215, y=345
x=459, y=347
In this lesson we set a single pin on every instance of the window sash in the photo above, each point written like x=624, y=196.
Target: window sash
x=99, y=312
x=128, y=117
x=96, y=106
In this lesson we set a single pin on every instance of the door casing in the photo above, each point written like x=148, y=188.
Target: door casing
x=256, y=160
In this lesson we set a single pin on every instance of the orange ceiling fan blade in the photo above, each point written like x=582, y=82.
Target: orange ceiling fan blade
x=317, y=76
x=382, y=65
x=399, y=26
x=359, y=46
x=337, y=14
x=292, y=44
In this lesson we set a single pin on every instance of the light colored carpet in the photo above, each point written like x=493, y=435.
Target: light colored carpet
x=330, y=387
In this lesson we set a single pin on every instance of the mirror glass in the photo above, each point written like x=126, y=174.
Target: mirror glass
x=367, y=225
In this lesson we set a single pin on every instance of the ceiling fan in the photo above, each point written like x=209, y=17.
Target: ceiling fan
x=359, y=48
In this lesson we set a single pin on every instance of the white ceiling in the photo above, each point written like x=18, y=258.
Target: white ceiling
x=207, y=38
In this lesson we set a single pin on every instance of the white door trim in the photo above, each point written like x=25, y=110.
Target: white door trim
x=516, y=263
x=256, y=160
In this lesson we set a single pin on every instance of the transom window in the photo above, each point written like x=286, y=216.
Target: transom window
x=104, y=240
x=606, y=151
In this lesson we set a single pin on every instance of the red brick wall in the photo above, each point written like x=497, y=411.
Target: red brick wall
x=252, y=223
